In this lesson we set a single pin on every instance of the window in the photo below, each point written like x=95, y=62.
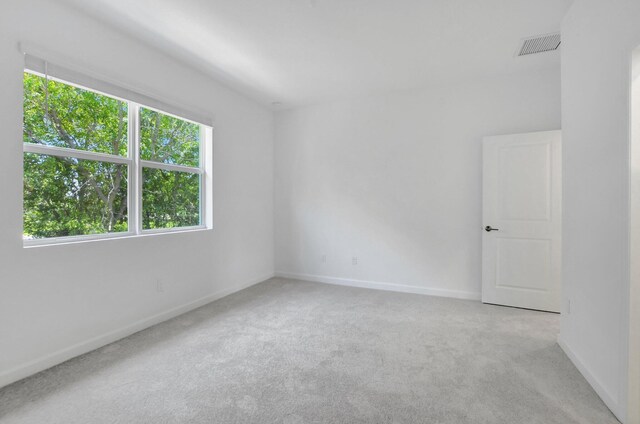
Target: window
x=97, y=166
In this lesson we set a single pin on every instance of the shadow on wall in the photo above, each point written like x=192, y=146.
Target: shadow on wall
x=394, y=180
x=330, y=213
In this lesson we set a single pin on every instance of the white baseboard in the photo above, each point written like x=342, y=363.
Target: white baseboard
x=62, y=355
x=403, y=288
x=604, y=394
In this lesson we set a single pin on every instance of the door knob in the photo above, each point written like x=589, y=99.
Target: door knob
x=488, y=229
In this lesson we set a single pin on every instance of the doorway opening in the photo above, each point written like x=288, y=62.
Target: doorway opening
x=633, y=361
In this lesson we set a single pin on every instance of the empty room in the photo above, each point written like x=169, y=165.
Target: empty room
x=320, y=211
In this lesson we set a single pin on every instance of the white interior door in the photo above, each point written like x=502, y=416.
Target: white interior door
x=521, y=258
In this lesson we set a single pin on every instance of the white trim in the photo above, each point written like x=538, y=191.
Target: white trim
x=173, y=115
x=376, y=285
x=207, y=179
x=173, y=229
x=170, y=167
x=202, y=134
x=53, y=241
x=55, y=358
x=74, y=239
x=66, y=69
x=65, y=152
x=630, y=351
x=604, y=394
x=134, y=182
x=44, y=73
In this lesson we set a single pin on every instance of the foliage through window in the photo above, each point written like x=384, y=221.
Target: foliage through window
x=96, y=165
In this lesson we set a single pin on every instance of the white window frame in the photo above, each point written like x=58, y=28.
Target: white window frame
x=135, y=166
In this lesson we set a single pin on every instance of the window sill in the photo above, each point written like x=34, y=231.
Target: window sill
x=61, y=241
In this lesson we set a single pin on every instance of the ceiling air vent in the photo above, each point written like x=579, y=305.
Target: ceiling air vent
x=539, y=44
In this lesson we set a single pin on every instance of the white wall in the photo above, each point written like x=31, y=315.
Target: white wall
x=396, y=181
x=598, y=38
x=59, y=301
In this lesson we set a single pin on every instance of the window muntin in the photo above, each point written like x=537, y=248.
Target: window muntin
x=95, y=155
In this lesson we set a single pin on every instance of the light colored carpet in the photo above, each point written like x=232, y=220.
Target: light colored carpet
x=293, y=352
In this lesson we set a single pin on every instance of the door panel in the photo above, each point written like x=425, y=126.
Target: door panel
x=524, y=175
x=522, y=201
x=523, y=264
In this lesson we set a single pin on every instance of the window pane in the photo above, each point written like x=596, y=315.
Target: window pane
x=167, y=139
x=67, y=116
x=170, y=199
x=69, y=197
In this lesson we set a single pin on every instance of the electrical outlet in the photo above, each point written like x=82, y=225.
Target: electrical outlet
x=159, y=286
x=354, y=260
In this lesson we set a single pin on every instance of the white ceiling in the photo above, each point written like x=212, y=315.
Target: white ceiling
x=305, y=51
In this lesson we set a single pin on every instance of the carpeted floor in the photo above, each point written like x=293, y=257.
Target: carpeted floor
x=293, y=352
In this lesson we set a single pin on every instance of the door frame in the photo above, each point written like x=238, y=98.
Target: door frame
x=631, y=324
x=554, y=140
